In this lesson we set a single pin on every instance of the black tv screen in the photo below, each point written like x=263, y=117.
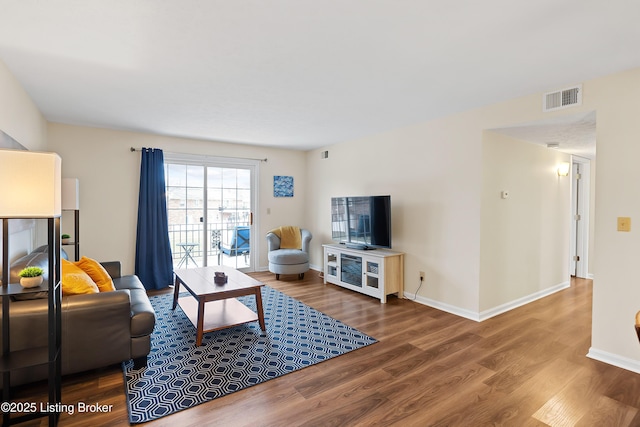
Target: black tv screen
x=361, y=222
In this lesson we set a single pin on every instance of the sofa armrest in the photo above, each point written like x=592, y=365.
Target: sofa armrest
x=143, y=317
x=114, y=268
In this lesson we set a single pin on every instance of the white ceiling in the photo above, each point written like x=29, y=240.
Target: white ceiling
x=574, y=134
x=302, y=73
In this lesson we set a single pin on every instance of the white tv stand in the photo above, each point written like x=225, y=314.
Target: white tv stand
x=376, y=273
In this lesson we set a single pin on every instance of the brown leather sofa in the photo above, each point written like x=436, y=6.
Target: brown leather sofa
x=97, y=329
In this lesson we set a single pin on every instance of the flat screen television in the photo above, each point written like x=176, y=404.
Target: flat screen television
x=361, y=222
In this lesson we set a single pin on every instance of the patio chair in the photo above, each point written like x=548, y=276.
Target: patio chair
x=239, y=241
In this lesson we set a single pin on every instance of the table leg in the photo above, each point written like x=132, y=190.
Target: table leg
x=191, y=258
x=200, y=326
x=176, y=291
x=259, y=310
x=182, y=260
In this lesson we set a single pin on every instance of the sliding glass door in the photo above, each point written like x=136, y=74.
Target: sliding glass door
x=210, y=206
x=229, y=216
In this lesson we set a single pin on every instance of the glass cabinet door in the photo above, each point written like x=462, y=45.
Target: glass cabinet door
x=351, y=269
x=332, y=264
x=372, y=274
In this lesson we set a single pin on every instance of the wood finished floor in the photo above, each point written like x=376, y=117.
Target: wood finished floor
x=526, y=367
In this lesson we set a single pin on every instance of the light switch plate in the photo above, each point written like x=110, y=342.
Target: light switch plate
x=624, y=223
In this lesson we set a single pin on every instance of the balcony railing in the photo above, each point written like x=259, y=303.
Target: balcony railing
x=189, y=247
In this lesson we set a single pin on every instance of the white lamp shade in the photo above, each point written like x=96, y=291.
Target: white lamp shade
x=70, y=194
x=30, y=184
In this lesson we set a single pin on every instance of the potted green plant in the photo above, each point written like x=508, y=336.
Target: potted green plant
x=65, y=239
x=30, y=277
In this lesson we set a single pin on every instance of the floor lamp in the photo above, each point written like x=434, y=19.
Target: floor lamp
x=30, y=188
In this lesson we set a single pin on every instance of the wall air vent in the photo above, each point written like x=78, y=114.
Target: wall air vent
x=562, y=98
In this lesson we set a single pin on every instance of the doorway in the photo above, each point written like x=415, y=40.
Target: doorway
x=210, y=206
x=580, y=202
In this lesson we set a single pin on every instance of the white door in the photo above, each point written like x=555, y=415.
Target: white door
x=580, y=176
x=210, y=205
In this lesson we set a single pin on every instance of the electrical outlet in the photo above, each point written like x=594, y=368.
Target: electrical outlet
x=421, y=276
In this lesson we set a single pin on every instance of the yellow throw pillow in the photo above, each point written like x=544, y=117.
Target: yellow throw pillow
x=75, y=281
x=97, y=272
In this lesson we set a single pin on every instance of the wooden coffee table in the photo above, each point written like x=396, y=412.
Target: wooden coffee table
x=214, y=306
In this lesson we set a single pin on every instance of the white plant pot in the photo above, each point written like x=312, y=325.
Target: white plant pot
x=31, y=282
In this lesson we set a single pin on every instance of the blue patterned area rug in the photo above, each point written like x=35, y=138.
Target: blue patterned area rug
x=180, y=375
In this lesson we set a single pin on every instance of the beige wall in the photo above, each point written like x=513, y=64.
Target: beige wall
x=434, y=173
x=524, y=239
x=19, y=116
x=109, y=176
x=616, y=294
x=20, y=119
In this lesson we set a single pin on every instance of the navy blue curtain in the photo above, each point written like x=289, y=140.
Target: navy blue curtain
x=154, y=264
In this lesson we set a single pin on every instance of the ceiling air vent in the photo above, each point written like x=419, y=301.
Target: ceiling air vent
x=562, y=98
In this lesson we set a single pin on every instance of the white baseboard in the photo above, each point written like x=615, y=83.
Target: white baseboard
x=468, y=314
x=492, y=312
x=614, y=359
x=479, y=317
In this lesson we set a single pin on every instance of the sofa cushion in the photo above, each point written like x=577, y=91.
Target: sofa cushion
x=75, y=281
x=97, y=273
x=288, y=256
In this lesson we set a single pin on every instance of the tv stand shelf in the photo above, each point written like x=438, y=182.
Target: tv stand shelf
x=376, y=273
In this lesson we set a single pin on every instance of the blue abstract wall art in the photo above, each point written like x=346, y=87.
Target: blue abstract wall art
x=282, y=186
